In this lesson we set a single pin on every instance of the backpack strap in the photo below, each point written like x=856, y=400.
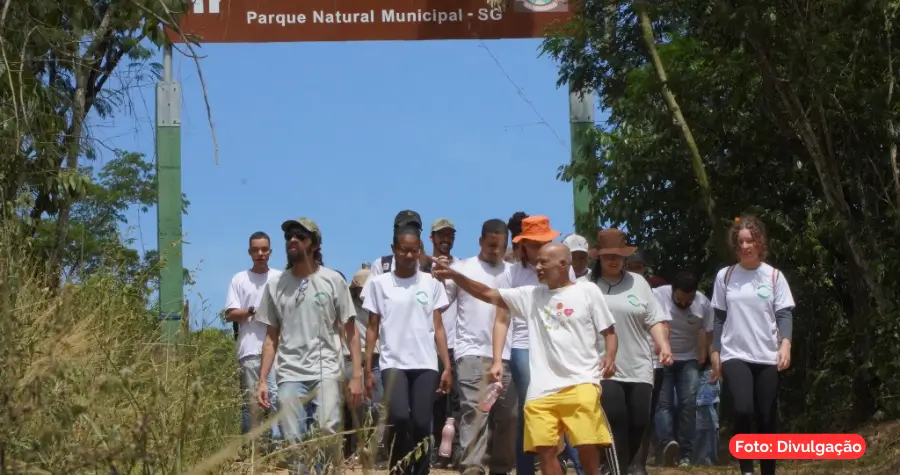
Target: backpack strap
x=775, y=275
x=728, y=278
x=386, y=262
x=728, y=275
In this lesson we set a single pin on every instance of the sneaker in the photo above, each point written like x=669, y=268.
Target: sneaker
x=670, y=454
x=684, y=462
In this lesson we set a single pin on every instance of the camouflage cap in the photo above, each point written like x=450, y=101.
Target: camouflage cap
x=442, y=223
x=304, y=223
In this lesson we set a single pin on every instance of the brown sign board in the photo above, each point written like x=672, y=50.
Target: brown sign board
x=273, y=21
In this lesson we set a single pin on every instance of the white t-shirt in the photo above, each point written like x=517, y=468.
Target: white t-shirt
x=565, y=345
x=245, y=291
x=475, y=319
x=517, y=275
x=406, y=306
x=686, y=325
x=449, y=316
x=309, y=313
x=636, y=310
x=449, y=319
x=751, y=300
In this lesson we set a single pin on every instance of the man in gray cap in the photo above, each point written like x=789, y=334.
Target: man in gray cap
x=304, y=308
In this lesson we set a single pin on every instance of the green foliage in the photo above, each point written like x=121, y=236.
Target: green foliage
x=56, y=62
x=94, y=239
x=793, y=112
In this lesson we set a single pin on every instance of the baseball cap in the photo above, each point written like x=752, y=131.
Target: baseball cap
x=576, y=243
x=304, y=223
x=359, y=278
x=407, y=217
x=442, y=223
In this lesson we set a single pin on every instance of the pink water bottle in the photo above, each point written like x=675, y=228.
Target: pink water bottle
x=490, y=396
x=447, y=438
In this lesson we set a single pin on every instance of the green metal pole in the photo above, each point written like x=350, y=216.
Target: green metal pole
x=581, y=122
x=169, y=206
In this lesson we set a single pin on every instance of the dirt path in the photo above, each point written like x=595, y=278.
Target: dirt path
x=793, y=469
x=882, y=458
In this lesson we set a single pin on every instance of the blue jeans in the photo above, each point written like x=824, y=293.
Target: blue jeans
x=310, y=404
x=249, y=377
x=521, y=376
x=706, y=439
x=683, y=378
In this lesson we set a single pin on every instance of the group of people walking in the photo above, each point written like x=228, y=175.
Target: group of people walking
x=586, y=352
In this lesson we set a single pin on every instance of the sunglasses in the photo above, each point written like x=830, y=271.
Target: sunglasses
x=300, y=235
x=301, y=291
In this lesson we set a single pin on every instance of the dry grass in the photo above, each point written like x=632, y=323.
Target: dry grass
x=87, y=387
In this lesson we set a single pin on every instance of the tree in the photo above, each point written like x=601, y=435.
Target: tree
x=794, y=111
x=94, y=239
x=57, y=60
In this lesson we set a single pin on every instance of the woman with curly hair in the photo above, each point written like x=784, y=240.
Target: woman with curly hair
x=752, y=334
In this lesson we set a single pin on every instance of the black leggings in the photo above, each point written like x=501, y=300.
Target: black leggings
x=409, y=395
x=753, y=388
x=627, y=408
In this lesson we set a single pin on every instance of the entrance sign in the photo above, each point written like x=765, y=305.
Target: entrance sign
x=273, y=21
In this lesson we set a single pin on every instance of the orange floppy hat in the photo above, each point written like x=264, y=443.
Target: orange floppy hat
x=536, y=228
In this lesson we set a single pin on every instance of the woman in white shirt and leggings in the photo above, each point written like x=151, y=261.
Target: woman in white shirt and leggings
x=752, y=334
x=405, y=318
x=627, y=395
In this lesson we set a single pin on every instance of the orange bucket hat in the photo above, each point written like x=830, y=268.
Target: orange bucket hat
x=536, y=228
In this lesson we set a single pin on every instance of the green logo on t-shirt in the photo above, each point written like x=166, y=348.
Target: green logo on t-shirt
x=692, y=319
x=633, y=300
x=764, y=291
x=320, y=299
x=422, y=297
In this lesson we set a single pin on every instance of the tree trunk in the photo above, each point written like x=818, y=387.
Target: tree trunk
x=716, y=246
x=87, y=69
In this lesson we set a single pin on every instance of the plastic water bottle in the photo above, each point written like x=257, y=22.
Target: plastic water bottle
x=490, y=396
x=447, y=438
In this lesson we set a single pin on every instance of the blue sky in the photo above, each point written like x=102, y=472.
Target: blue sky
x=348, y=134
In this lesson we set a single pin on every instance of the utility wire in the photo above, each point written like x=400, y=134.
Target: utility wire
x=521, y=94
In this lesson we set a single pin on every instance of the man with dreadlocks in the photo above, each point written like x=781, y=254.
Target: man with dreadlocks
x=304, y=308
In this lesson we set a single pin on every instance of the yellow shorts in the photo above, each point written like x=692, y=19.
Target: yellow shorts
x=575, y=410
